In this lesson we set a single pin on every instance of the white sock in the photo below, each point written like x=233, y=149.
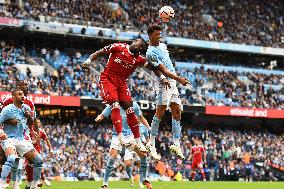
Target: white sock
x=176, y=142
x=137, y=140
x=152, y=141
x=105, y=183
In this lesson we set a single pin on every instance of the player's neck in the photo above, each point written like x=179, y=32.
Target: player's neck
x=18, y=105
x=154, y=43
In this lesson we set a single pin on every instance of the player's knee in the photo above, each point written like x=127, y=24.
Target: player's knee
x=128, y=163
x=129, y=110
x=38, y=161
x=115, y=105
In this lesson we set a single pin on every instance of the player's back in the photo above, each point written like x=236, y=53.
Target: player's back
x=121, y=63
x=160, y=55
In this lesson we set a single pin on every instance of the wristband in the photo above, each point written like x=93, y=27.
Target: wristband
x=88, y=61
x=162, y=77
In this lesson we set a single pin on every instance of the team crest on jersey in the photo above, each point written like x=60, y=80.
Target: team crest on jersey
x=117, y=60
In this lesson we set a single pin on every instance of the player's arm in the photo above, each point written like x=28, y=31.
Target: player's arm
x=36, y=126
x=144, y=121
x=30, y=119
x=159, y=74
x=86, y=65
x=172, y=75
x=105, y=113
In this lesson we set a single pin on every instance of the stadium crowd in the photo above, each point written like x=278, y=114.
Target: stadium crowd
x=243, y=22
x=81, y=153
x=209, y=86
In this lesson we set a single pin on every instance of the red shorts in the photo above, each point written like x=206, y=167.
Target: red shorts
x=196, y=165
x=113, y=89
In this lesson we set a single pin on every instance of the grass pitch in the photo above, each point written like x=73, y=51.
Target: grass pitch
x=167, y=185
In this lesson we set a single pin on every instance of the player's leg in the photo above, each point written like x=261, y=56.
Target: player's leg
x=20, y=171
x=10, y=153
x=176, y=126
x=14, y=173
x=161, y=106
x=128, y=159
x=26, y=149
x=126, y=103
x=143, y=171
x=109, y=94
x=29, y=170
x=201, y=169
x=193, y=168
x=115, y=147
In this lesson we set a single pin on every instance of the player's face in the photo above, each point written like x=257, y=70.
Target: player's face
x=24, y=87
x=39, y=123
x=196, y=141
x=19, y=97
x=136, y=47
x=155, y=36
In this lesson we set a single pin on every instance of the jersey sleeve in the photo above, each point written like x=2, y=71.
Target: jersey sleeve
x=142, y=61
x=6, y=102
x=5, y=114
x=107, y=111
x=43, y=135
x=137, y=109
x=153, y=58
x=113, y=48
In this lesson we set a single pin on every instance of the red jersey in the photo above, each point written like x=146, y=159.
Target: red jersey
x=43, y=136
x=197, y=153
x=121, y=62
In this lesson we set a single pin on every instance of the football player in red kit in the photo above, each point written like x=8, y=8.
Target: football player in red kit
x=196, y=154
x=36, y=142
x=122, y=62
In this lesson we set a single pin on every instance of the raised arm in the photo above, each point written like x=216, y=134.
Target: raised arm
x=86, y=65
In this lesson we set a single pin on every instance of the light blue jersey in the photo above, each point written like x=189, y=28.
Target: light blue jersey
x=12, y=112
x=160, y=55
x=126, y=131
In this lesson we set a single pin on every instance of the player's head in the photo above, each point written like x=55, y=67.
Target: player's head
x=138, y=46
x=38, y=123
x=196, y=141
x=18, y=96
x=154, y=33
x=23, y=85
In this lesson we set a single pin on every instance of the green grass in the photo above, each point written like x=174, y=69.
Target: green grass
x=168, y=185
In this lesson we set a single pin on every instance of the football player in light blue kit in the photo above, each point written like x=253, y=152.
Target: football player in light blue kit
x=158, y=55
x=115, y=146
x=15, y=141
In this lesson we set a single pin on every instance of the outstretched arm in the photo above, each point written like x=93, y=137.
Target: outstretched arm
x=159, y=74
x=172, y=75
x=86, y=65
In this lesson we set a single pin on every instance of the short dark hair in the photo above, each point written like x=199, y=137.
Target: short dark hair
x=15, y=91
x=153, y=28
x=20, y=82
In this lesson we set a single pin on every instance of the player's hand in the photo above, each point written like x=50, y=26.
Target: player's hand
x=86, y=66
x=27, y=114
x=99, y=118
x=184, y=81
x=11, y=122
x=3, y=135
x=166, y=83
x=52, y=153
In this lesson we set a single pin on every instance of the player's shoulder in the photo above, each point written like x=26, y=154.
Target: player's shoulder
x=30, y=103
x=120, y=45
x=8, y=107
x=136, y=105
x=25, y=106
